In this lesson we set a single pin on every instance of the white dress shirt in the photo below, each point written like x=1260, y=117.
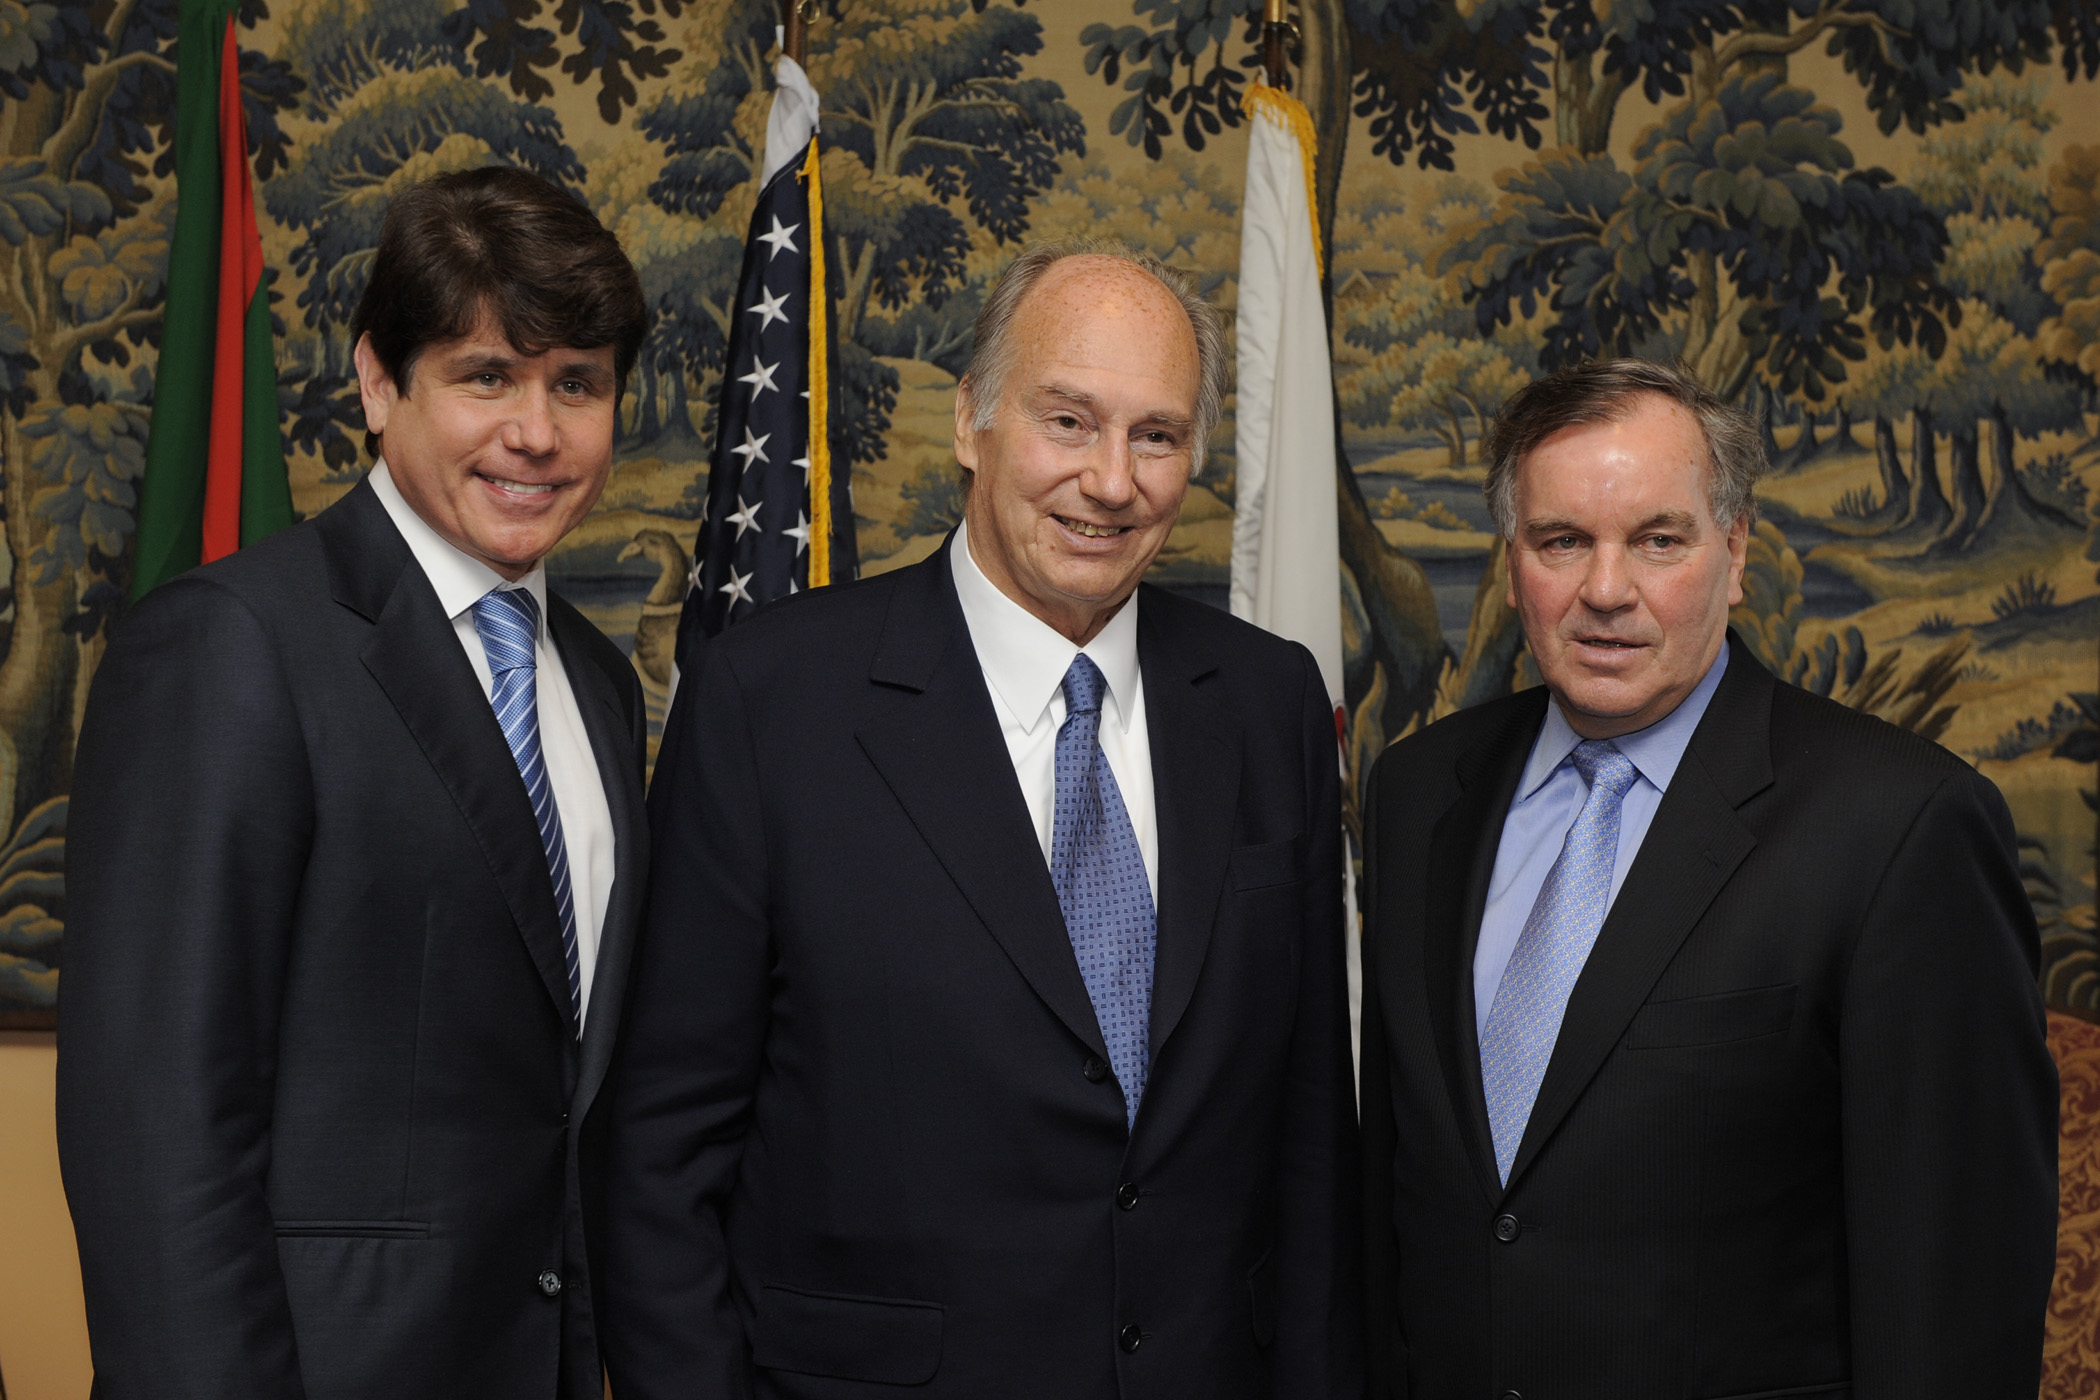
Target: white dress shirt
x=1024, y=661
x=1549, y=798
x=572, y=765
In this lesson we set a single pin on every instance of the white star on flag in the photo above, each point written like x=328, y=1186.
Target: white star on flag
x=799, y=533
x=779, y=238
x=736, y=589
x=752, y=447
x=802, y=462
x=762, y=377
x=768, y=309
x=745, y=518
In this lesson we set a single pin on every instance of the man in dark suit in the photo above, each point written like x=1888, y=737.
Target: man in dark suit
x=356, y=856
x=989, y=1034
x=1702, y=1053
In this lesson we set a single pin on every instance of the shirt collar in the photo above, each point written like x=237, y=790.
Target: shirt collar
x=1654, y=752
x=1025, y=659
x=459, y=579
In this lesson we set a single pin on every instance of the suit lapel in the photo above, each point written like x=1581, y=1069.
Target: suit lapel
x=1692, y=847
x=1195, y=784
x=615, y=745
x=415, y=656
x=1462, y=849
x=942, y=755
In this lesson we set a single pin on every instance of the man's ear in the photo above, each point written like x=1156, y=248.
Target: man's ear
x=965, y=428
x=374, y=385
x=1738, y=555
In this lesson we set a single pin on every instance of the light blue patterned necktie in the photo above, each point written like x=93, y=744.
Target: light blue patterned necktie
x=508, y=620
x=1524, y=1021
x=1099, y=872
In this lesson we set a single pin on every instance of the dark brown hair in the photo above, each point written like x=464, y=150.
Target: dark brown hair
x=503, y=244
x=1607, y=391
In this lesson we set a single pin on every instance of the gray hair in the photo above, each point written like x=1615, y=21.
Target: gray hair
x=992, y=355
x=1604, y=391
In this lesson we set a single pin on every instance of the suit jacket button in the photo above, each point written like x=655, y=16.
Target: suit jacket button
x=1506, y=1230
x=1127, y=1195
x=550, y=1283
x=1129, y=1337
x=1095, y=1068
x=1510, y=1395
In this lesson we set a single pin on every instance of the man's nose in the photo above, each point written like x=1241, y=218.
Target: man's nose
x=531, y=428
x=1111, y=480
x=1607, y=583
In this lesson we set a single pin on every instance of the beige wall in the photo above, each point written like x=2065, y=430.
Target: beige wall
x=43, y=1332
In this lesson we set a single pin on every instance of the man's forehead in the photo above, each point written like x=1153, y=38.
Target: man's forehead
x=1076, y=290
x=490, y=345
x=1081, y=327
x=1653, y=442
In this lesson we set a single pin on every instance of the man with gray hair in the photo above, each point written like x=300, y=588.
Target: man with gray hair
x=1702, y=1053
x=989, y=1033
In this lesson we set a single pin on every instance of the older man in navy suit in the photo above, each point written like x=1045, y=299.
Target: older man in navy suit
x=989, y=1034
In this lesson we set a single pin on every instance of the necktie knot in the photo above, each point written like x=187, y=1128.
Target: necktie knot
x=1083, y=686
x=1603, y=766
x=508, y=620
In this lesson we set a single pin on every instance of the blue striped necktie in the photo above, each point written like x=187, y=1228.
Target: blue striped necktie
x=1099, y=871
x=508, y=620
x=1524, y=1020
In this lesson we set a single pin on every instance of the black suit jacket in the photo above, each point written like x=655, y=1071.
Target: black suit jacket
x=322, y=1108
x=1798, y=1133
x=865, y=1136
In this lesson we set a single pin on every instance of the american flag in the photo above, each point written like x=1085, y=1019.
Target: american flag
x=779, y=512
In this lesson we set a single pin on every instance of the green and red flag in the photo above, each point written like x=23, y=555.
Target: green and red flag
x=215, y=477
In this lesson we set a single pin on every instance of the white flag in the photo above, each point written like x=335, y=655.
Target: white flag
x=1286, y=558
x=1286, y=550
x=793, y=117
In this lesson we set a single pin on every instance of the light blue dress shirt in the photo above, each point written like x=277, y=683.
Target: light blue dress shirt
x=1549, y=797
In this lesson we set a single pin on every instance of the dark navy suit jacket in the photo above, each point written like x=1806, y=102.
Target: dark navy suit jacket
x=864, y=1134
x=323, y=1115
x=1798, y=1134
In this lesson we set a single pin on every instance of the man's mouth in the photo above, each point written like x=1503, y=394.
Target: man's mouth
x=519, y=488
x=1087, y=528
x=1612, y=643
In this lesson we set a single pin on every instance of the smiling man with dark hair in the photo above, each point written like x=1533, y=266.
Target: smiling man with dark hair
x=989, y=1034
x=1702, y=1052
x=356, y=856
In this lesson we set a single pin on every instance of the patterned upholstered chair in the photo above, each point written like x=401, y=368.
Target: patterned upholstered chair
x=2071, y=1345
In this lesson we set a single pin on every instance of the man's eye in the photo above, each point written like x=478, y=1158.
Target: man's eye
x=1066, y=421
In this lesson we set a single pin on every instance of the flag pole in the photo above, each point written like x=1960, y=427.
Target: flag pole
x=795, y=18
x=1276, y=33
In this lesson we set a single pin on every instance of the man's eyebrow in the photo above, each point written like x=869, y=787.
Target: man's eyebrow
x=1081, y=399
x=1072, y=396
x=474, y=362
x=1681, y=521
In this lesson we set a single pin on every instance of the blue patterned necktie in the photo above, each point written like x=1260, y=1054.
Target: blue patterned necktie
x=508, y=620
x=1524, y=1021
x=1099, y=872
